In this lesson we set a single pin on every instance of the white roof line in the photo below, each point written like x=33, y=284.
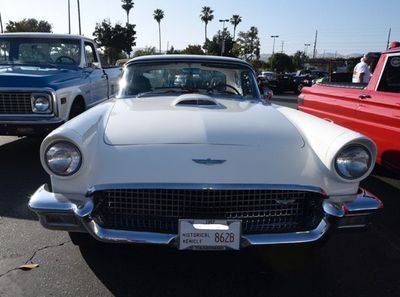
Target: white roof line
x=43, y=35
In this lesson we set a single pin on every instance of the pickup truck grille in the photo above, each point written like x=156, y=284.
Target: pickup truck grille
x=15, y=103
x=158, y=210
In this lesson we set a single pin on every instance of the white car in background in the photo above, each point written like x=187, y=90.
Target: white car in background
x=270, y=75
x=205, y=165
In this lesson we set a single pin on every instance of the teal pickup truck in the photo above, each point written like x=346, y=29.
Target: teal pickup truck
x=47, y=79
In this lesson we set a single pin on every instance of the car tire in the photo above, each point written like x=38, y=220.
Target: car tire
x=76, y=109
x=284, y=258
x=81, y=239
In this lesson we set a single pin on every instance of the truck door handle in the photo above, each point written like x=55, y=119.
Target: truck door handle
x=364, y=96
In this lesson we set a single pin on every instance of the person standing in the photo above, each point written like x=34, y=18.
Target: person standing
x=361, y=73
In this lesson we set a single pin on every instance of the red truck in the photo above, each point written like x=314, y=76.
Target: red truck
x=372, y=109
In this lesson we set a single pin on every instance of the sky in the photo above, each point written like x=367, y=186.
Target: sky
x=344, y=26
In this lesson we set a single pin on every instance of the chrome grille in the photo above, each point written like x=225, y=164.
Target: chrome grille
x=158, y=210
x=15, y=103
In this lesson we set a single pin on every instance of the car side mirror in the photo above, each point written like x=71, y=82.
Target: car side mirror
x=265, y=92
x=95, y=65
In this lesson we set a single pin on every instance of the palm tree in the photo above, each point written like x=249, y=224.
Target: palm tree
x=158, y=16
x=235, y=20
x=206, y=16
x=127, y=5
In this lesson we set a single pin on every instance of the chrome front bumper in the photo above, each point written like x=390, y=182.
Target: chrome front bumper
x=29, y=125
x=58, y=212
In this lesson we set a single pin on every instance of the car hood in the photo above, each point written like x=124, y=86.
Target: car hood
x=162, y=120
x=33, y=76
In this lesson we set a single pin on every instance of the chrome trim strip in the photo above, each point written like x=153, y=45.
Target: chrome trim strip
x=45, y=203
x=192, y=186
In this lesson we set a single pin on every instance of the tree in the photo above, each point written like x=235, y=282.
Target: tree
x=115, y=39
x=173, y=51
x=214, y=46
x=29, y=25
x=127, y=5
x=299, y=59
x=249, y=45
x=158, y=16
x=147, y=51
x=193, y=50
x=280, y=62
x=206, y=16
x=235, y=21
x=259, y=64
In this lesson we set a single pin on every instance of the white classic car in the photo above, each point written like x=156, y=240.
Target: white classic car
x=190, y=155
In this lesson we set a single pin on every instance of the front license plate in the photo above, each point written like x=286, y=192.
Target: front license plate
x=209, y=234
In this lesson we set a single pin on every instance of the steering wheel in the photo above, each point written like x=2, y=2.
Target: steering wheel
x=60, y=58
x=223, y=85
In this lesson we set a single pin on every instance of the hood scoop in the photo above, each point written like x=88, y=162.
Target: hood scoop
x=196, y=100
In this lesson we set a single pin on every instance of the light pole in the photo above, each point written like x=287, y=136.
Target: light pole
x=273, y=46
x=387, y=45
x=1, y=24
x=222, y=35
x=79, y=18
x=306, y=47
x=69, y=17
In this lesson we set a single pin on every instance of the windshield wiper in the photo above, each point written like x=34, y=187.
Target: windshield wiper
x=166, y=90
x=223, y=92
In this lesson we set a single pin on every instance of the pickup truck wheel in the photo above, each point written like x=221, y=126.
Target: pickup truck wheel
x=76, y=109
x=81, y=239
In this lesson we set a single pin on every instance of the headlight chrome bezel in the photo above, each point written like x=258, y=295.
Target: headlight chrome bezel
x=41, y=96
x=349, y=176
x=66, y=172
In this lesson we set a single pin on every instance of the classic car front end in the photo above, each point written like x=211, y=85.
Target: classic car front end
x=203, y=164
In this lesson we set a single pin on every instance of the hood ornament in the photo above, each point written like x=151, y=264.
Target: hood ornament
x=208, y=161
x=285, y=202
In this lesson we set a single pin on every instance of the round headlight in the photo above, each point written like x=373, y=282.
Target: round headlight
x=353, y=162
x=42, y=104
x=63, y=158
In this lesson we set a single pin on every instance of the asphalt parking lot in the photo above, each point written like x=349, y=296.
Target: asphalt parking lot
x=348, y=264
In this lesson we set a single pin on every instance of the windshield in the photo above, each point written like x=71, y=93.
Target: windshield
x=148, y=79
x=39, y=51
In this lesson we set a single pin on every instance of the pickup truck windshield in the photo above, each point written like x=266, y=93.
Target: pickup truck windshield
x=147, y=79
x=39, y=51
